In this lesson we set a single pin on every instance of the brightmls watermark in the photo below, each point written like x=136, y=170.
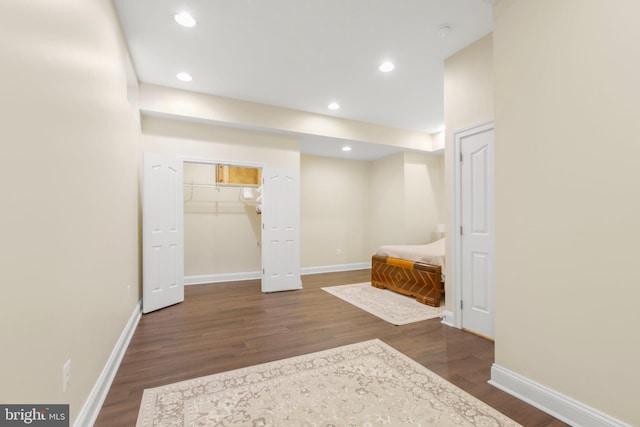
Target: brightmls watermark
x=34, y=415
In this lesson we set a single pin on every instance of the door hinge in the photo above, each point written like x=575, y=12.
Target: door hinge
x=461, y=230
x=461, y=157
x=461, y=304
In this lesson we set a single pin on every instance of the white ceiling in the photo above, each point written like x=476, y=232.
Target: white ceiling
x=304, y=54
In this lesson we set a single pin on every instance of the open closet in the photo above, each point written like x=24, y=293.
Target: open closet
x=206, y=222
x=222, y=222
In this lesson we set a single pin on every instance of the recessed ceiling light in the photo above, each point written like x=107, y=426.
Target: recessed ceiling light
x=386, y=67
x=346, y=148
x=333, y=106
x=185, y=19
x=185, y=77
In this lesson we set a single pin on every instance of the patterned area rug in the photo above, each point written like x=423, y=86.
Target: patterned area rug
x=364, y=384
x=395, y=308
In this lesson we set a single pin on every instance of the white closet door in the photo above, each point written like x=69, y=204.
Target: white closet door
x=162, y=232
x=280, y=230
x=476, y=147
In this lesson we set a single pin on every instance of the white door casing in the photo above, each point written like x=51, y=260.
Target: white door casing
x=474, y=242
x=162, y=232
x=280, y=230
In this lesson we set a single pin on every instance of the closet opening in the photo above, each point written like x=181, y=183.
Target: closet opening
x=222, y=222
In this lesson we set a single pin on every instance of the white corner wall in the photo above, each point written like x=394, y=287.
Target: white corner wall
x=567, y=204
x=69, y=185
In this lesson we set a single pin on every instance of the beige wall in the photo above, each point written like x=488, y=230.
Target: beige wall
x=424, y=196
x=204, y=141
x=387, y=201
x=69, y=185
x=402, y=192
x=334, y=211
x=406, y=199
x=468, y=101
x=356, y=206
x=159, y=100
x=567, y=198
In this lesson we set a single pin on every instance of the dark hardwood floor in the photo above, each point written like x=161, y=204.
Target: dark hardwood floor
x=226, y=326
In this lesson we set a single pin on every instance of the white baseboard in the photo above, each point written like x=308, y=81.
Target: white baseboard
x=448, y=319
x=335, y=268
x=550, y=401
x=93, y=404
x=224, y=277
x=253, y=275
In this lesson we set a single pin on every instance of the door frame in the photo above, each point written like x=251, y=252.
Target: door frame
x=457, y=214
x=211, y=161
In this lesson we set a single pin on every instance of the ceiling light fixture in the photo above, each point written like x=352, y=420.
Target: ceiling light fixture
x=185, y=19
x=346, y=148
x=386, y=67
x=443, y=30
x=185, y=77
x=333, y=106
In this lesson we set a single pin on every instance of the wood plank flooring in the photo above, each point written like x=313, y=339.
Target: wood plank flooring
x=226, y=326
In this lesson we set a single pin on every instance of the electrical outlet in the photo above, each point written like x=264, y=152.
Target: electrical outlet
x=338, y=251
x=66, y=375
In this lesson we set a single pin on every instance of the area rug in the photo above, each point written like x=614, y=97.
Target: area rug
x=364, y=384
x=388, y=305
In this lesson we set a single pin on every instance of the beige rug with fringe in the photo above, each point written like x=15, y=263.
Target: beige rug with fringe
x=395, y=308
x=364, y=384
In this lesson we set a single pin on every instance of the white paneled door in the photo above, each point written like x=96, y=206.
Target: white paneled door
x=162, y=232
x=280, y=230
x=476, y=233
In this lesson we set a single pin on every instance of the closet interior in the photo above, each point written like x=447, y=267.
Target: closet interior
x=222, y=206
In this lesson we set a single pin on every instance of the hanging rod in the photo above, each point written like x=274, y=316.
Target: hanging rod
x=217, y=186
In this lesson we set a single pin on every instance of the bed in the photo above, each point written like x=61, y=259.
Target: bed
x=415, y=270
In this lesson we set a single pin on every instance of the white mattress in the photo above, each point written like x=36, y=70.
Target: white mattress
x=432, y=253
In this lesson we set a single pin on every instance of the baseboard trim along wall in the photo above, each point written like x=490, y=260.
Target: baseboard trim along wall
x=89, y=412
x=218, y=278
x=550, y=401
x=334, y=268
x=253, y=275
x=448, y=319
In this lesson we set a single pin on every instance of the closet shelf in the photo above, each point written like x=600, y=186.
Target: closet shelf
x=219, y=185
